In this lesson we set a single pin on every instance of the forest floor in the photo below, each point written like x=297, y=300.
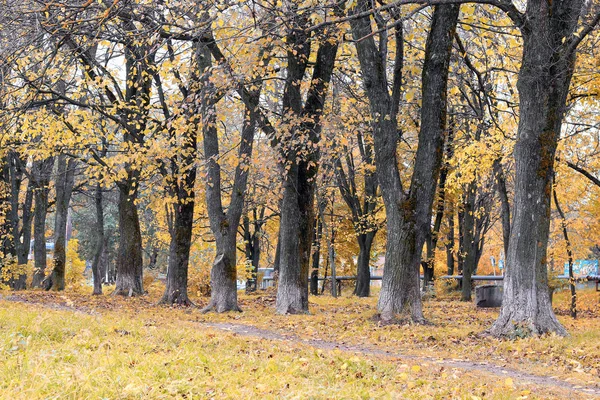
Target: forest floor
x=74, y=345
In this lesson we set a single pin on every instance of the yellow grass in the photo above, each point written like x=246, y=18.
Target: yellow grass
x=129, y=348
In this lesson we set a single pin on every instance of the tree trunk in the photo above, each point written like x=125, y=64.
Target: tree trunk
x=432, y=240
x=129, y=257
x=544, y=79
x=252, y=249
x=331, y=255
x=297, y=210
x=316, y=259
x=450, y=240
x=96, y=274
x=41, y=172
x=277, y=260
x=563, y=222
x=182, y=188
x=19, y=222
x=224, y=226
x=292, y=288
x=408, y=216
x=461, y=240
x=363, y=270
x=469, y=249
x=7, y=243
x=505, y=204
x=65, y=180
x=179, y=252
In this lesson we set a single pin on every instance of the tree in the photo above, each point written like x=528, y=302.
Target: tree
x=301, y=158
x=550, y=40
x=363, y=212
x=41, y=172
x=65, y=179
x=408, y=214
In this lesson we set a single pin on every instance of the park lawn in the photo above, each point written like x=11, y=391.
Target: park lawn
x=73, y=345
x=455, y=333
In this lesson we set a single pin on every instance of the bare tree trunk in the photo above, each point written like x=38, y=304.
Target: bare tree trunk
x=331, y=255
x=179, y=251
x=461, y=240
x=450, y=240
x=65, y=180
x=252, y=247
x=41, y=172
x=6, y=240
x=224, y=225
x=469, y=242
x=429, y=265
x=316, y=258
x=549, y=49
x=96, y=275
x=129, y=266
x=363, y=269
x=563, y=222
x=21, y=223
x=182, y=188
x=505, y=205
x=297, y=210
x=408, y=215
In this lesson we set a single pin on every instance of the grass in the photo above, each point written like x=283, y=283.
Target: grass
x=129, y=349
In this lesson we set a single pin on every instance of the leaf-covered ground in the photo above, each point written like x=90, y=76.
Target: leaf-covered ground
x=72, y=345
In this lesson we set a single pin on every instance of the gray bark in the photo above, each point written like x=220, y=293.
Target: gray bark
x=544, y=79
x=408, y=215
x=316, y=257
x=224, y=225
x=297, y=209
x=362, y=211
x=504, y=204
x=563, y=223
x=96, y=274
x=41, y=172
x=450, y=239
x=129, y=268
x=65, y=179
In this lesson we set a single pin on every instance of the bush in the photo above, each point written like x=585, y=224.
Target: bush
x=75, y=267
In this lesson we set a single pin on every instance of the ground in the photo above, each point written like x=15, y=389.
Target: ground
x=73, y=345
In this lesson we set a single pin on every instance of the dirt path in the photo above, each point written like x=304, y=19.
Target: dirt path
x=266, y=334
x=519, y=376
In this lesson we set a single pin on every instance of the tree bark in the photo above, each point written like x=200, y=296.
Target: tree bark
x=96, y=275
x=363, y=270
x=252, y=247
x=65, y=180
x=563, y=222
x=408, y=216
x=450, y=239
x=544, y=79
x=224, y=225
x=504, y=203
x=469, y=244
x=129, y=266
x=429, y=265
x=179, y=251
x=183, y=180
x=363, y=212
x=41, y=172
x=316, y=258
x=297, y=209
x=21, y=223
